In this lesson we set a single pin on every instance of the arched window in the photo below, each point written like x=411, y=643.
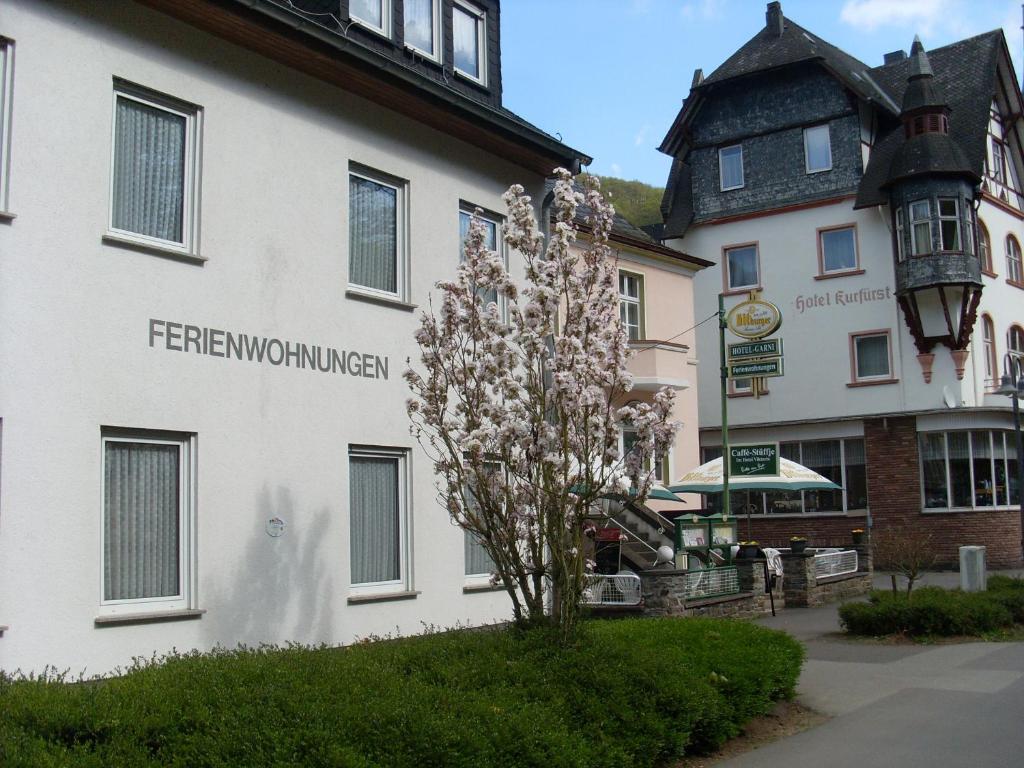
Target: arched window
x=1015, y=341
x=1014, y=271
x=988, y=338
x=984, y=247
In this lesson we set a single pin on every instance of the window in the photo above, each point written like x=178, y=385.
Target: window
x=631, y=304
x=492, y=228
x=998, y=170
x=740, y=387
x=423, y=27
x=469, y=27
x=741, y=266
x=900, y=245
x=968, y=470
x=838, y=250
x=661, y=466
x=984, y=248
x=920, y=227
x=1014, y=272
x=154, y=190
x=988, y=340
x=817, y=149
x=840, y=460
x=6, y=92
x=477, y=562
x=148, y=522
x=1015, y=341
x=730, y=167
x=949, y=223
x=377, y=234
x=871, y=358
x=372, y=14
x=377, y=519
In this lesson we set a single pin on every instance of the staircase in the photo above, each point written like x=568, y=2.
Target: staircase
x=645, y=532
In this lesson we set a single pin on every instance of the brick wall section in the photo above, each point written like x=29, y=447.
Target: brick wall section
x=820, y=531
x=894, y=494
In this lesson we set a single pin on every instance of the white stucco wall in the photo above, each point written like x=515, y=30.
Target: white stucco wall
x=272, y=440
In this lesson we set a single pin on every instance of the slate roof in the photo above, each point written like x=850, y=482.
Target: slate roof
x=965, y=73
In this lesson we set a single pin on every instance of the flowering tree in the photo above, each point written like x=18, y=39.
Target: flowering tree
x=516, y=408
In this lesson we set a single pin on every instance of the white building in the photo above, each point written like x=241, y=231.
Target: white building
x=218, y=220
x=858, y=199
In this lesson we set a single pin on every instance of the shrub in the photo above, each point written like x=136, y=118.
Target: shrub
x=932, y=611
x=627, y=693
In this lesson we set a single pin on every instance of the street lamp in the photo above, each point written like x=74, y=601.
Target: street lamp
x=1012, y=385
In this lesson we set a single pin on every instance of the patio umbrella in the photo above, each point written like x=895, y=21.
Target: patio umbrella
x=707, y=478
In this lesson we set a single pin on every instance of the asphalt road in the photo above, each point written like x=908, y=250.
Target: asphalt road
x=906, y=705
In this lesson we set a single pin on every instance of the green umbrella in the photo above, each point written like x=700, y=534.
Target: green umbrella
x=707, y=478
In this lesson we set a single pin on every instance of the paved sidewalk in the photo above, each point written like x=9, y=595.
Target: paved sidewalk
x=900, y=705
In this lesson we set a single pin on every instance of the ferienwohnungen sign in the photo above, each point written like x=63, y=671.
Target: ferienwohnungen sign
x=200, y=340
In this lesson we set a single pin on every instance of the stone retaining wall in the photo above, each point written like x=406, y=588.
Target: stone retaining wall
x=664, y=594
x=803, y=588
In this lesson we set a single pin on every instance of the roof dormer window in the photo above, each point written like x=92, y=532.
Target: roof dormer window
x=372, y=14
x=469, y=35
x=423, y=27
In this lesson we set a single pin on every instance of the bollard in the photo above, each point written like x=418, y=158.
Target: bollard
x=972, y=569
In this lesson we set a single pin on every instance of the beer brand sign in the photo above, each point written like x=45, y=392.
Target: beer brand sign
x=754, y=319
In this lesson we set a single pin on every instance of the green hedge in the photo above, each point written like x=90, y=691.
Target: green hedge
x=931, y=611
x=629, y=693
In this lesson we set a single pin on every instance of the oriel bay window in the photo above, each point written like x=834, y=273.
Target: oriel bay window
x=920, y=228
x=968, y=470
x=153, y=181
x=949, y=224
x=377, y=233
x=378, y=511
x=148, y=522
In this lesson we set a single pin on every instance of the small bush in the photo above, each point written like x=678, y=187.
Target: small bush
x=932, y=611
x=629, y=693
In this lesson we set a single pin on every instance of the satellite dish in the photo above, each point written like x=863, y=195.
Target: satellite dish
x=947, y=397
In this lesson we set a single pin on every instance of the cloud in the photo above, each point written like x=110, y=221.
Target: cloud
x=641, y=136
x=616, y=169
x=920, y=15
x=705, y=9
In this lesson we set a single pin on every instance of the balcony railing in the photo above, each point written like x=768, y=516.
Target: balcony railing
x=835, y=563
x=712, y=582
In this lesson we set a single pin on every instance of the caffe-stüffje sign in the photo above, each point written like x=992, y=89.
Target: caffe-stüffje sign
x=757, y=460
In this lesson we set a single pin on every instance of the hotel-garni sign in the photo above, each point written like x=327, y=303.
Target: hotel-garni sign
x=266, y=350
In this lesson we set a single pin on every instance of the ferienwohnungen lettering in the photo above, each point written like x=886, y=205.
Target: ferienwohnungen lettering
x=182, y=337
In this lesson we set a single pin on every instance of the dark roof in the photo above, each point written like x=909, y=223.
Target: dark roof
x=965, y=73
x=929, y=153
x=625, y=233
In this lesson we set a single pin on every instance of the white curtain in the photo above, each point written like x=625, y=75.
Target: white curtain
x=369, y=11
x=149, y=170
x=419, y=24
x=742, y=267
x=467, y=54
x=837, y=249
x=477, y=559
x=374, y=519
x=373, y=233
x=141, y=519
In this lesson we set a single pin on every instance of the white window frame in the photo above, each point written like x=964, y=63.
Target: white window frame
x=816, y=130
x=468, y=209
x=901, y=248
x=6, y=101
x=435, y=31
x=404, y=581
x=1015, y=265
x=401, y=188
x=481, y=40
x=913, y=228
x=954, y=218
x=187, y=495
x=638, y=301
x=385, y=20
x=484, y=577
x=721, y=166
x=852, y=229
x=190, y=194
x=729, y=287
x=855, y=370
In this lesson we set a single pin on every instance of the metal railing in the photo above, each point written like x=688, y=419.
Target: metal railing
x=712, y=582
x=835, y=563
x=620, y=589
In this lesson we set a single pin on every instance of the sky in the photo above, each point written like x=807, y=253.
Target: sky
x=608, y=76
